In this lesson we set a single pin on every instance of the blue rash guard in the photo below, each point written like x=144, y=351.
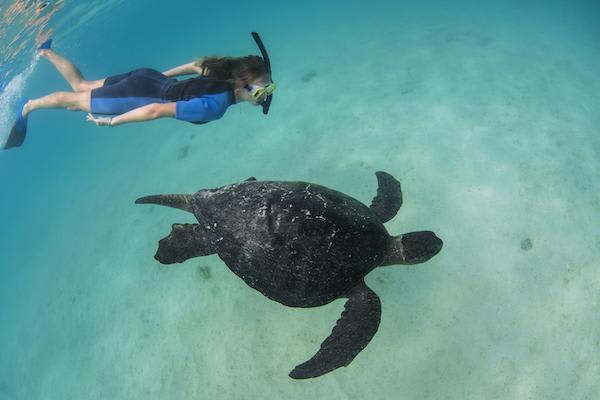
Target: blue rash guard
x=198, y=100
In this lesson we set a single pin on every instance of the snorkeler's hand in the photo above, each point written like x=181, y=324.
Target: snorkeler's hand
x=199, y=70
x=100, y=121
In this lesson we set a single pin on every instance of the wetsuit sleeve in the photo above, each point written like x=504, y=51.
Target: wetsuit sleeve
x=199, y=109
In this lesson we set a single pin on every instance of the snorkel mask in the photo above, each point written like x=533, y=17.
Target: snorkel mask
x=263, y=91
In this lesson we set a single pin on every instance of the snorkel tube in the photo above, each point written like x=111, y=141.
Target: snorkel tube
x=267, y=103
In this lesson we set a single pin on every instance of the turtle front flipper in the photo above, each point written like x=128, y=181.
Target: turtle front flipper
x=184, y=242
x=389, y=197
x=353, y=331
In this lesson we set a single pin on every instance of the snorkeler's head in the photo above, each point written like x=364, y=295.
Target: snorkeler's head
x=257, y=92
x=249, y=75
x=240, y=70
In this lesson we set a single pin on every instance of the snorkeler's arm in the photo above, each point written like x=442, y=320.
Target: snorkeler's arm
x=144, y=113
x=185, y=69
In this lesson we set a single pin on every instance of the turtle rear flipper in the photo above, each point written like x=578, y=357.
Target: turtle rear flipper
x=184, y=242
x=353, y=331
x=389, y=197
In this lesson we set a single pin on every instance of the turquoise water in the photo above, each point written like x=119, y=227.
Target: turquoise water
x=485, y=111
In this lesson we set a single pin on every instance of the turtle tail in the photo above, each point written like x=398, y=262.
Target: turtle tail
x=180, y=201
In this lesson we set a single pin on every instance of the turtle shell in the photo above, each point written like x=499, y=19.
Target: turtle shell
x=300, y=244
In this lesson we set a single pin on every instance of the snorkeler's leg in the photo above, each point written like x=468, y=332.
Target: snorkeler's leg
x=78, y=101
x=70, y=72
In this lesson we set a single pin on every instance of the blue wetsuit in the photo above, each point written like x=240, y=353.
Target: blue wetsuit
x=198, y=100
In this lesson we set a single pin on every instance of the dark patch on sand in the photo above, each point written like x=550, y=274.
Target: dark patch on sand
x=408, y=87
x=309, y=76
x=204, y=272
x=5, y=391
x=183, y=152
x=526, y=244
x=484, y=41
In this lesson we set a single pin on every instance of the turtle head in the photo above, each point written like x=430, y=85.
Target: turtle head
x=412, y=248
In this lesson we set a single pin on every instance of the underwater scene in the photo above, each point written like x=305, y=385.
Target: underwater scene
x=387, y=200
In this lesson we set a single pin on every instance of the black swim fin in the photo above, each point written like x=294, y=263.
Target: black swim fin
x=47, y=45
x=18, y=130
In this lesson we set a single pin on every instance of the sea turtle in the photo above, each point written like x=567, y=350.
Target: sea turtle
x=302, y=245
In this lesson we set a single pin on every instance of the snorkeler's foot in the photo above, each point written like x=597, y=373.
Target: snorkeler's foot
x=19, y=128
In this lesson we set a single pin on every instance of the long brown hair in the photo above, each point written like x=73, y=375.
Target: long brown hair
x=235, y=69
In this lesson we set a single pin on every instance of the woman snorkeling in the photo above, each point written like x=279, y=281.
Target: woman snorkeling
x=145, y=94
